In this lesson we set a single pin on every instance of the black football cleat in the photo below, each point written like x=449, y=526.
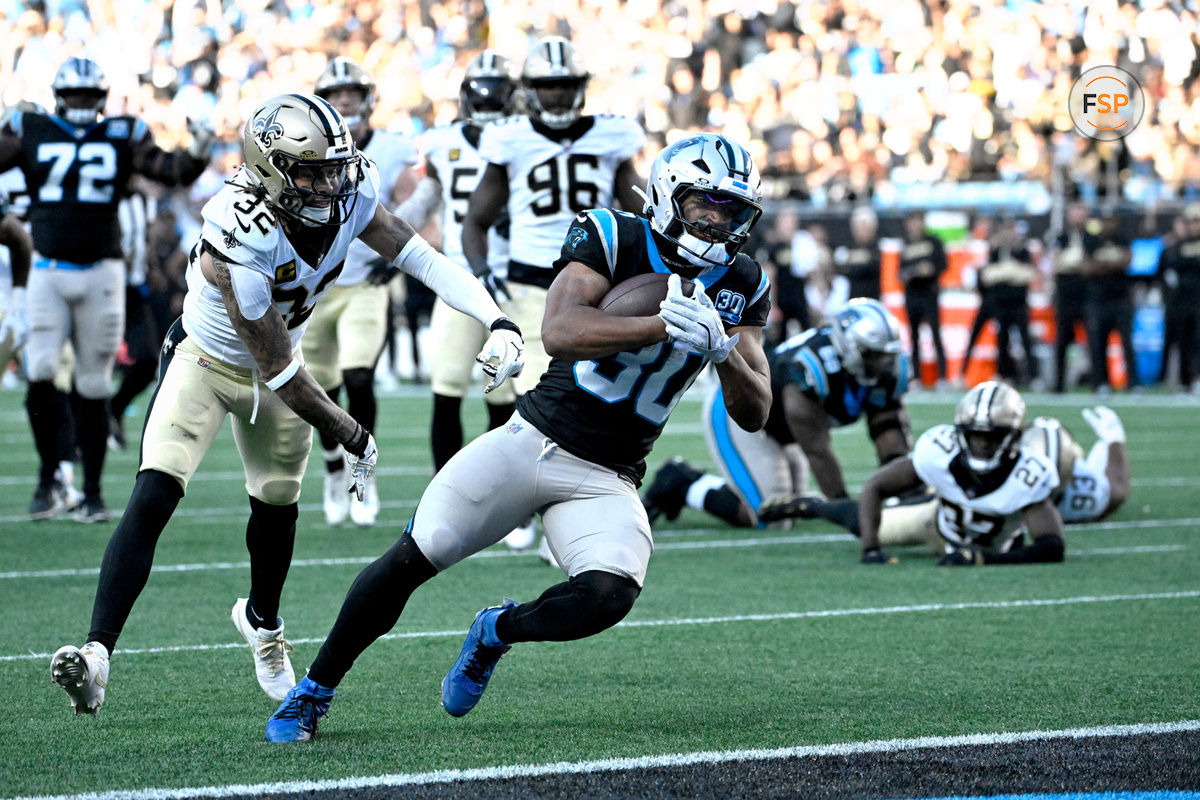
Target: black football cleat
x=45, y=502
x=667, y=493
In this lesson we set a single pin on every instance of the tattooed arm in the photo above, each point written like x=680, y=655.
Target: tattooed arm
x=267, y=340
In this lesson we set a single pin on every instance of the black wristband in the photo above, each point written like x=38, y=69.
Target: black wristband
x=505, y=324
x=357, y=445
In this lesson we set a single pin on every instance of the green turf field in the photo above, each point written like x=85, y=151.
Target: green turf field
x=741, y=639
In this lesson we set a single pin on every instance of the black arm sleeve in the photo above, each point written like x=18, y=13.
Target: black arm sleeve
x=1049, y=549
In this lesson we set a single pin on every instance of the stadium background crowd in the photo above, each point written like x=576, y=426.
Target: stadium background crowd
x=841, y=103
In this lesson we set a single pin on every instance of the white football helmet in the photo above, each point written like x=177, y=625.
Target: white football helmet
x=342, y=73
x=720, y=176
x=867, y=339
x=80, y=91
x=554, y=82
x=988, y=422
x=300, y=149
x=488, y=88
x=1048, y=437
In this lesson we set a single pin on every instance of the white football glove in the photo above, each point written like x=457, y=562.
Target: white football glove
x=15, y=323
x=202, y=139
x=694, y=321
x=502, y=356
x=361, y=467
x=1105, y=423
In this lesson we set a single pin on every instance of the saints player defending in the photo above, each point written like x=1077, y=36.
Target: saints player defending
x=991, y=490
x=346, y=333
x=77, y=166
x=273, y=241
x=453, y=167
x=576, y=446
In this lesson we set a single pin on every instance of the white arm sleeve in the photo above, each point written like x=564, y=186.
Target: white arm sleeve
x=421, y=203
x=457, y=286
x=252, y=291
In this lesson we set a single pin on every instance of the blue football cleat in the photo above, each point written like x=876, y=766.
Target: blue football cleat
x=296, y=719
x=464, y=684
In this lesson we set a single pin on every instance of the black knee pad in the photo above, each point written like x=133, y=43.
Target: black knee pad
x=608, y=597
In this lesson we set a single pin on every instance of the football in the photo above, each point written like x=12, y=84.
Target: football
x=639, y=296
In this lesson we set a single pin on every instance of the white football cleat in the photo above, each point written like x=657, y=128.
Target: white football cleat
x=272, y=666
x=364, y=513
x=337, y=497
x=522, y=537
x=83, y=673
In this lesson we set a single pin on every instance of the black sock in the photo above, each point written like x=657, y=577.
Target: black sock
x=499, y=413
x=842, y=511
x=371, y=608
x=724, y=503
x=130, y=553
x=445, y=429
x=328, y=443
x=137, y=378
x=360, y=396
x=270, y=537
x=585, y=605
x=45, y=418
x=92, y=431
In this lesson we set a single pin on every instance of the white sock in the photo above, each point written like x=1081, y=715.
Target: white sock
x=698, y=490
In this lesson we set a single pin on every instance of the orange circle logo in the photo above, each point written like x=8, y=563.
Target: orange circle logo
x=1106, y=103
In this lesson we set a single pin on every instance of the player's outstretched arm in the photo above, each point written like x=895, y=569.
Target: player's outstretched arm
x=574, y=328
x=890, y=480
x=395, y=240
x=268, y=342
x=809, y=425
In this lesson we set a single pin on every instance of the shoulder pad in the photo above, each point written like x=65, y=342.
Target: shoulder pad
x=238, y=226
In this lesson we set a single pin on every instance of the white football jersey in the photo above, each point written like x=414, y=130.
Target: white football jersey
x=243, y=228
x=459, y=168
x=965, y=516
x=551, y=181
x=392, y=153
x=1087, y=494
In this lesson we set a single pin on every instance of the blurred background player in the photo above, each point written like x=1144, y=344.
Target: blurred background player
x=545, y=167
x=1090, y=487
x=453, y=167
x=922, y=262
x=992, y=491
x=824, y=378
x=18, y=247
x=347, y=331
x=77, y=166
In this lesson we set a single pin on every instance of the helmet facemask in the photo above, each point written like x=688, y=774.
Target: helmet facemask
x=486, y=98
x=556, y=102
x=318, y=192
x=712, y=226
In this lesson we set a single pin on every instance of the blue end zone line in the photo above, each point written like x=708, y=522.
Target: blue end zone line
x=729, y=454
x=1154, y=795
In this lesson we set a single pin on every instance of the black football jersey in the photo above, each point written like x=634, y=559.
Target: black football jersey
x=611, y=410
x=76, y=177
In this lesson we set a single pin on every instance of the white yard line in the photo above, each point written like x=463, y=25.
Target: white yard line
x=637, y=763
x=661, y=623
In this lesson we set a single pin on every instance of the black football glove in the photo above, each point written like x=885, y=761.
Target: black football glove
x=967, y=556
x=877, y=555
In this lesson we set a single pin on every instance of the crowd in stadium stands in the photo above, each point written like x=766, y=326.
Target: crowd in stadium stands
x=842, y=102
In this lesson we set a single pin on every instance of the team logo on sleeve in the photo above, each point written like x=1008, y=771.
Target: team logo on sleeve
x=576, y=237
x=117, y=129
x=730, y=306
x=229, y=240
